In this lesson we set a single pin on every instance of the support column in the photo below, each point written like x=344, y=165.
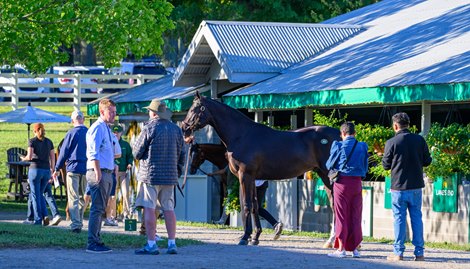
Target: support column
x=425, y=117
x=214, y=89
x=293, y=122
x=308, y=117
x=271, y=120
x=259, y=116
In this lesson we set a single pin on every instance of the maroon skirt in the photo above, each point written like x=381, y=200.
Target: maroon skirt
x=347, y=194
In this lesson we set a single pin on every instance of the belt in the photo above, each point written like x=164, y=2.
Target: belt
x=104, y=170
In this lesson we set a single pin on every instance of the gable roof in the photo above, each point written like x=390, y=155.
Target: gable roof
x=249, y=52
x=133, y=100
x=407, y=44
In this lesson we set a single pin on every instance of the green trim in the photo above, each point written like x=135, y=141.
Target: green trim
x=358, y=96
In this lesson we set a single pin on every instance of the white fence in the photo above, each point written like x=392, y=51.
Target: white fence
x=12, y=93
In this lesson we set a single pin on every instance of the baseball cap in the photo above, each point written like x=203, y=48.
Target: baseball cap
x=117, y=128
x=77, y=114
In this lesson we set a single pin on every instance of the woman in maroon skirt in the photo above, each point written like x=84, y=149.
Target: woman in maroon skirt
x=351, y=159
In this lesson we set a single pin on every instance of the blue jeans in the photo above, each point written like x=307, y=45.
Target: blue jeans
x=402, y=201
x=100, y=192
x=49, y=198
x=38, y=179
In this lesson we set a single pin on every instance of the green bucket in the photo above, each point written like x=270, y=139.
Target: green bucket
x=130, y=225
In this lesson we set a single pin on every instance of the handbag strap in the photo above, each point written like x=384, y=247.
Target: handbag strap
x=349, y=156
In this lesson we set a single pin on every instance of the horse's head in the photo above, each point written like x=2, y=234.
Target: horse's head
x=197, y=117
x=197, y=158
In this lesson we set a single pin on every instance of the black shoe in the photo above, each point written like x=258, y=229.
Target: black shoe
x=98, y=248
x=45, y=221
x=76, y=230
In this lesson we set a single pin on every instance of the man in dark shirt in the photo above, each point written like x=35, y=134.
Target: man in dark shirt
x=405, y=155
x=73, y=154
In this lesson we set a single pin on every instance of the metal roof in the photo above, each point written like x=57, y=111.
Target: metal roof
x=134, y=99
x=249, y=52
x=406, y=43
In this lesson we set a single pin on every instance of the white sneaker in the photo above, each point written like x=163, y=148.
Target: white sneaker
x=55, y=221
x=356, y=254
x=337, y=254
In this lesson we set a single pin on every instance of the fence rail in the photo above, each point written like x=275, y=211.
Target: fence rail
x=43, y=88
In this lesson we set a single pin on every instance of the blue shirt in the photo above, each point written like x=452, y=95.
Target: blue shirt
x=99, y=145
x=358, y=162
x=73, y=151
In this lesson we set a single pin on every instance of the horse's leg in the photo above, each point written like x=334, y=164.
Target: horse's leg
x=330, y=242
x=329, y=192
x=258, y=229
x=246, y=202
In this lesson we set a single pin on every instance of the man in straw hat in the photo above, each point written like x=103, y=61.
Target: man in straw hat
x=159, y=148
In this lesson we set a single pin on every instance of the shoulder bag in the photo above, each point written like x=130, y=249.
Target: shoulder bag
x=333, y=173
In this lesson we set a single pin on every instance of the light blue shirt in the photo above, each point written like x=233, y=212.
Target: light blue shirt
x=99, y=145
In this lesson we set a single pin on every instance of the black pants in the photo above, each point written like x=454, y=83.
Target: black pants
x=261, y=194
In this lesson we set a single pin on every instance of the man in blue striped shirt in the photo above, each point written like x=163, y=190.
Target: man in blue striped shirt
x=100, y=165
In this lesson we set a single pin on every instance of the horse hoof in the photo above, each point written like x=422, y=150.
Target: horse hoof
x=254, y=242
x=243, y=242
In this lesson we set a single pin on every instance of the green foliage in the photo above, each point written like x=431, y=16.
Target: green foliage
x=374, y=135
x=33, y=32
x=450, y=149
x=331, y=120
x=232, y=201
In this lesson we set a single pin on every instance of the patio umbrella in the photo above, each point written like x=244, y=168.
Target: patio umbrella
x=30, y=114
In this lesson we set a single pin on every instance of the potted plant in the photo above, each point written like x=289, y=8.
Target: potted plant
x=450, y=150
x=374, y=135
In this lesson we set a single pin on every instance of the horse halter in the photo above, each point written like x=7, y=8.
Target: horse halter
x=193, y=126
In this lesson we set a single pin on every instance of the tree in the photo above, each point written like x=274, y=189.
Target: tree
x=34, y=32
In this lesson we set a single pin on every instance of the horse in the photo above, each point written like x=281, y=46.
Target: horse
x=214, y=153
x=256, y=151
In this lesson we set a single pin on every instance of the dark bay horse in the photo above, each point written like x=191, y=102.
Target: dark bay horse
x=255, y=151
x=214, y=153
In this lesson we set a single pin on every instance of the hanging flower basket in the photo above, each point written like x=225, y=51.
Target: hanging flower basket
x=378, y=148
x=450, y=151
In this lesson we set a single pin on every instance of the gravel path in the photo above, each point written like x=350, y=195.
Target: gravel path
x=220, y=251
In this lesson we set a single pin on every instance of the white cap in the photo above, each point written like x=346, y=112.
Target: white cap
x=76, y=114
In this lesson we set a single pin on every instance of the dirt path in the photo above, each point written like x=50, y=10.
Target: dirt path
x=220, y=251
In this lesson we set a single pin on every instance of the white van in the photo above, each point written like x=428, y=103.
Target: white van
x=27, y=83
x=70, y=70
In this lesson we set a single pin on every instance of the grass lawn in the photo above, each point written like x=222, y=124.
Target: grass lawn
x=16, y=135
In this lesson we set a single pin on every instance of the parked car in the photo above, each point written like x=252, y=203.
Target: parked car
x=144, y=68
x=133, y=68
x=68, y=82
x=30, y=89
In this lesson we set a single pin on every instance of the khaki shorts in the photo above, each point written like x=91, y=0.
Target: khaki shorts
x=155, y=196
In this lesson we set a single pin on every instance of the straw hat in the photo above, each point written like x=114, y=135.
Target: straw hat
x=159, y=107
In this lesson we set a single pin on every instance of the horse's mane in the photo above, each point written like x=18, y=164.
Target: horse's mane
x=232, y=111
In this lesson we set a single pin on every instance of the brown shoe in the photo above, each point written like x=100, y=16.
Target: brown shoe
x=328, y=245
x=419, y=258
x=394, y=258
